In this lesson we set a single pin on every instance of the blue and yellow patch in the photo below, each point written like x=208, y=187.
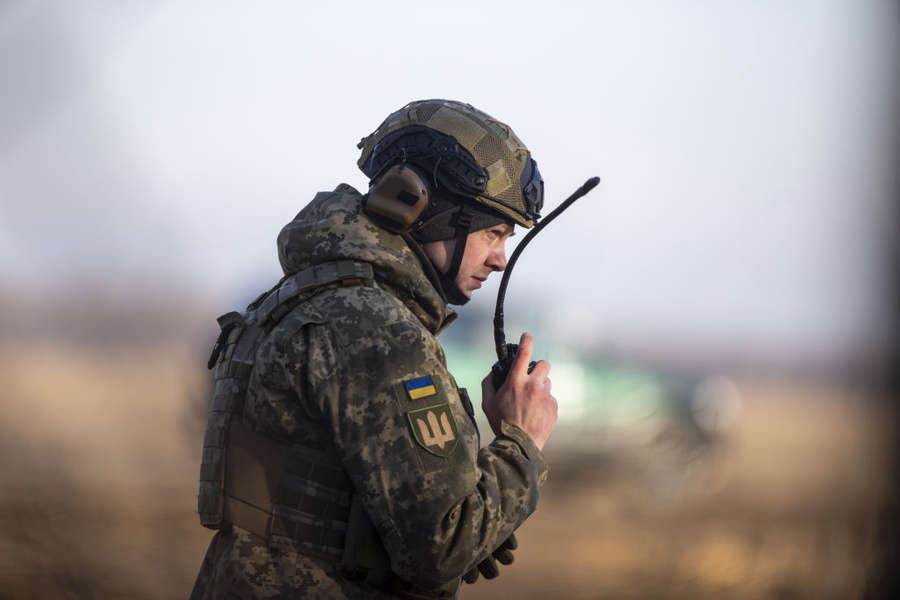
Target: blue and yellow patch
x=422, y=387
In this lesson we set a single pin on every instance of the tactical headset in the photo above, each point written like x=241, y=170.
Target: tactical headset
x=397, y=198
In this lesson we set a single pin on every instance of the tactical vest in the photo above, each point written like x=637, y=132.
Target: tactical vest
x=286, y=494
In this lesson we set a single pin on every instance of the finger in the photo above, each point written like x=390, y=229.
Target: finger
x=541, y=370
x=489, y=568
x=487, y=387
x=504, y=553
x=523, y=354
x=504, y=556
x=511, y=543
x=471, y=576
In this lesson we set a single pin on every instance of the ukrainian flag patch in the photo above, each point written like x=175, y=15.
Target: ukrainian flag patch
x=422, y=387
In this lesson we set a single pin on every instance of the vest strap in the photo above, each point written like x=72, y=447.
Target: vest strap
x=284, y=298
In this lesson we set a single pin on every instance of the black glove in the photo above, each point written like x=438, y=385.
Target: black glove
x=488, y=567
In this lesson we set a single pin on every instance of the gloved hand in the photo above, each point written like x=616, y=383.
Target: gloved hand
x=488, y=567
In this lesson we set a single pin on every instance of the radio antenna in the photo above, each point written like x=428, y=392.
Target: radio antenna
x=506, y=352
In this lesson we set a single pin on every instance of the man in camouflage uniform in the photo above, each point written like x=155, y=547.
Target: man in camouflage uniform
x=343, y=461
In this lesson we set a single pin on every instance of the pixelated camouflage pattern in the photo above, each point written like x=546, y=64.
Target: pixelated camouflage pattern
x=330, y=375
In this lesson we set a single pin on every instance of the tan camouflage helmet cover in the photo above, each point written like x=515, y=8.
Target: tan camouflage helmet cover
x=492, y=143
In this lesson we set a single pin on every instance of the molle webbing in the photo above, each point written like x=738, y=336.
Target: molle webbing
x=233, y=357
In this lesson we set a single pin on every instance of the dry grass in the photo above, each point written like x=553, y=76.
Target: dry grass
x=98, y=458
x=783, y=508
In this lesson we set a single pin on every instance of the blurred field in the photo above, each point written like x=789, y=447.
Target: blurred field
x=98, y=460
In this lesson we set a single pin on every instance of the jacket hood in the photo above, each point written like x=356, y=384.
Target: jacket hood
x=333, y=227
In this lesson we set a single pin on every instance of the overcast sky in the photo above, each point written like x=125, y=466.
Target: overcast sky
x=744, y=148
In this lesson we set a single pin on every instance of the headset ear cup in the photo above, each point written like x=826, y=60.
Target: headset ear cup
x=397, y=199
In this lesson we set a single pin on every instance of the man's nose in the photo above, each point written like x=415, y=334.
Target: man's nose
x=497, y=259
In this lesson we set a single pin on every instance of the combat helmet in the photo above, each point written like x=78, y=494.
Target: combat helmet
x=440, y=169
x=468, y=153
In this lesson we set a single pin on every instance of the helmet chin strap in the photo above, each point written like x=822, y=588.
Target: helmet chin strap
x=448, y=279
x=452, y=292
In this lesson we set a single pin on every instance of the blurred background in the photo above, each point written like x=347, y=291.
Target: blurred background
x=718, y=312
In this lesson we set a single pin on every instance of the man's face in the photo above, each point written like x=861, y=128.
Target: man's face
x=485, y=253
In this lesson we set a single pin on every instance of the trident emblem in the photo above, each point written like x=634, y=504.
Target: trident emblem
x=435, y=429
x=440, y=434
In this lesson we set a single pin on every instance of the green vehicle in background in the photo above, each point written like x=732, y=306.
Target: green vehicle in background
x=665, y=426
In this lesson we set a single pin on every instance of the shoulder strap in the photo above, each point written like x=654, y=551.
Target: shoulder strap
x=285, y=297
x=272, y=306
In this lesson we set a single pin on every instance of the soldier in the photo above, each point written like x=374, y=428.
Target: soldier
x=341, y=460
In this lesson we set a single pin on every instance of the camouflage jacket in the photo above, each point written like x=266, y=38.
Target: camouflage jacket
x=358, y=372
